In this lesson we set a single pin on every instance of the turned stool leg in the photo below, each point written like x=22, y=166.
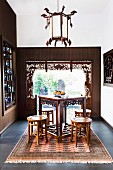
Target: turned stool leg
x=88, y=133
x=48, y=116
x=37, y=134
x=28, y=132
x=71, y=131
x=46, y=131
x=52, y=117
x=76, y=135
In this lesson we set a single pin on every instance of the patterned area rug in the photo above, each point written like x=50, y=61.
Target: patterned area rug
x=53, y=152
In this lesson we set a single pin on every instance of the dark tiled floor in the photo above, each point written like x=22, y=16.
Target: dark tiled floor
x=14, y=132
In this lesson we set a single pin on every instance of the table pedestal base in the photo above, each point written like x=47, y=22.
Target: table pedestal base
x=66, y=131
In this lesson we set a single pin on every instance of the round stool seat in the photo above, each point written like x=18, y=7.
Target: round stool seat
x=36, y=118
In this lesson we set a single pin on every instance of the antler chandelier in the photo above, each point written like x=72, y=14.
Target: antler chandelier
x=59, y=22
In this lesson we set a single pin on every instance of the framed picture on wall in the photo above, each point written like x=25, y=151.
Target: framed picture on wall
x=108, y=68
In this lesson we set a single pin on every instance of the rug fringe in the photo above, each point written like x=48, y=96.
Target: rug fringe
x=62, y=161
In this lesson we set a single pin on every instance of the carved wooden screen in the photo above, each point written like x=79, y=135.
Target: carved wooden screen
x=85, y=66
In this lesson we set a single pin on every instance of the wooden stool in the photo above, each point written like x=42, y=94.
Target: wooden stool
x=79, y=113
x=50, y=113
x=81, y=125
x=40, y=122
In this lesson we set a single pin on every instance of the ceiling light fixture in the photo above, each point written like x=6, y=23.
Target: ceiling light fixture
x=59, y=22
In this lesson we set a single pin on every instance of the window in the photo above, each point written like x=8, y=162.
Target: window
x=8, y=76
x=48, y=82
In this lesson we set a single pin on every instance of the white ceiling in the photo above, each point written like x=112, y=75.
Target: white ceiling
x=30, y=7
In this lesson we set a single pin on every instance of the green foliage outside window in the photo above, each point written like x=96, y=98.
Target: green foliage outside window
x=43, y=84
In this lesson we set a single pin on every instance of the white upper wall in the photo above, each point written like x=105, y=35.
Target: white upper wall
x=107, y=92
x=108, y=27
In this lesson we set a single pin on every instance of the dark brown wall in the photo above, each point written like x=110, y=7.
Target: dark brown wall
x=59, y=54
x=7, y=32
x=7, y=22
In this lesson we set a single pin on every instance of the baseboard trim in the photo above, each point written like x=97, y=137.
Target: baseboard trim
x=107, y=122
x=5, y=129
